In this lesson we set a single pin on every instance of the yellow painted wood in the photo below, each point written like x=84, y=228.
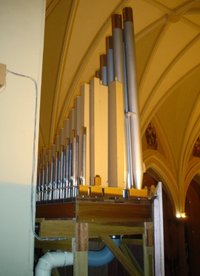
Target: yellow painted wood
x=96, y=190
x=138, y=193
x=116, y=130
x=98, y=131
x=113, y=191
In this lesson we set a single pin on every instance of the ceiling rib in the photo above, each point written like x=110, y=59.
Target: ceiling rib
x=151, y=56
x=147, y=116
x=168, y=68
x=175, y=12
x=50, y=7
x=67, y=103
x=63, y=60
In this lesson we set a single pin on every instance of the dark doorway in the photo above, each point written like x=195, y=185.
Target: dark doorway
x=192, y=207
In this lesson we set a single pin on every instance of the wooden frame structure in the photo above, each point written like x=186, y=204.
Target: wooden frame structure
x=100, y=217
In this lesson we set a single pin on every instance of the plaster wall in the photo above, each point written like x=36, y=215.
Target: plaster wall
x=21, y=49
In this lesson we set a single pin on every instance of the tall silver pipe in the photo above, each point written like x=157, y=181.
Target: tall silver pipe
x=133, y=109
x=109, y=55
x=74, y=164
x=83, y=157
x=42, y=184
x=127, y=126
x=61, y=172
x=62, y=164
x=51, y=161
x=103, y=68
x=118, y=47
x=67, y=168
x=46, y=184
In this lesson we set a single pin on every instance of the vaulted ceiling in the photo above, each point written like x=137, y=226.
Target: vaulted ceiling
x=167, y=36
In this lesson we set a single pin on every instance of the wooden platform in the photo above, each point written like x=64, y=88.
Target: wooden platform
x=97, y=216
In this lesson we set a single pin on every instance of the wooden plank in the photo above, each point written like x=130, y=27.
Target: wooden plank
x=54, y=245
x=81, y=248
x=116, y=137
x=113, y=212
x=56, y=210
x=128, y=254
x=98, y=131
x=129, y=266
x=95, y=230
x=80, y=261
x=57, y=228
x=148, y=249
x=66, y=228
x=81, y=234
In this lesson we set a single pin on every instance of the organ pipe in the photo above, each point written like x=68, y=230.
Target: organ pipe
x=103, y=66
x=101, y=136
x=109, y=56
x=133, y=110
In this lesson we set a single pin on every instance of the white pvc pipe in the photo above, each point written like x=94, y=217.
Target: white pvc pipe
x=53, y=259
x=59, y=259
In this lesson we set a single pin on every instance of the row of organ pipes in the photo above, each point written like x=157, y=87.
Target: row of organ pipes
x=100, y=142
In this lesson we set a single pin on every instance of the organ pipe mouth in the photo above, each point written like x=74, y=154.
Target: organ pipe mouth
x=97, y=74
x=109, y=42
x=127, y=14
x=103, y=60
x=116, y=21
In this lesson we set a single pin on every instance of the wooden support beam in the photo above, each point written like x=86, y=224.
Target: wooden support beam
x=56, y=210
x=66, y=228
x=129, y=266
x=54, y=245
x=148, y=242
x=127, y=252
x=113, y=212
x=81, y=250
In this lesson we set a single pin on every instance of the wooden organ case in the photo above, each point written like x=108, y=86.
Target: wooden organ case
x=90, y=181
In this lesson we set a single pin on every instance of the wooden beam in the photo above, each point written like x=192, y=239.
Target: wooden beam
x=148, y=243
x=127, y=252
x=54, y=245
x=113, y=212
x=56, y=210
x=81, y=250
x=66, y=228
x=129, y=266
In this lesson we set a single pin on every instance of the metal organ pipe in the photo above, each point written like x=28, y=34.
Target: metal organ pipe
x=118, y=47
x=133, y=110
x=66, y=165
x=74, y=163
x=83, y=157
x=103, y=66
x=109, y=56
